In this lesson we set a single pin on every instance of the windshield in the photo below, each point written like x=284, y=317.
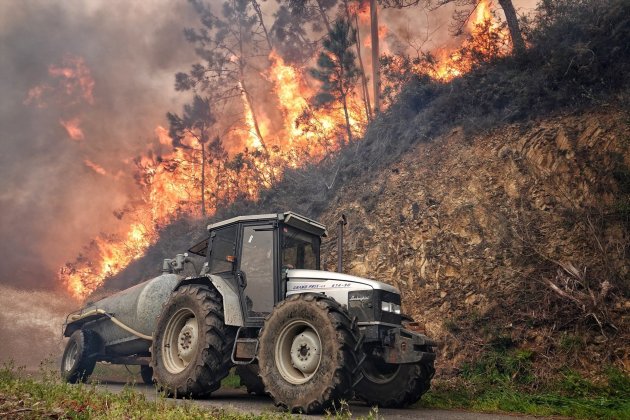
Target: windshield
x=299, y=249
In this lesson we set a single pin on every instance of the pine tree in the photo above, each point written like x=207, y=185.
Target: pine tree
x=195, y=122
x=337, y=70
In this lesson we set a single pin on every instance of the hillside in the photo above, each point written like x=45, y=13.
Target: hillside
x=475, y=230
x=499, y=202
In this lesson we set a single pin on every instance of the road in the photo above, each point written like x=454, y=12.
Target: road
x=239, y=400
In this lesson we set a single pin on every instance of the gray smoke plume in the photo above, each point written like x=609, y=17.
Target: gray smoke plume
x=51, y=201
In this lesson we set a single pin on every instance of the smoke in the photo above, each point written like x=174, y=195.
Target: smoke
x=30, y=325
x=67, y=142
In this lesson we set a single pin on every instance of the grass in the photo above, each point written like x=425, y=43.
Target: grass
x=24, y=396
x=503, y=382
x=44, y=395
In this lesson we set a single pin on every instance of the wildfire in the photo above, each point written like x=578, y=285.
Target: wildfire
x=95, y=167
x=488, y=38
x=170, y=183
x=73, y=129
x=286, y=132
x=72, y=79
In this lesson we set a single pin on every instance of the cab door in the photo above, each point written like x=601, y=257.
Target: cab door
x=257, y=269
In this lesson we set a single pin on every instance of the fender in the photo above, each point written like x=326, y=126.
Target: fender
x=231, y=302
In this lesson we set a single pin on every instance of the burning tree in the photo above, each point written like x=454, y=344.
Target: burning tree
x=461, y=17
x=337, y=70
x=228, y=45
x=191, y=131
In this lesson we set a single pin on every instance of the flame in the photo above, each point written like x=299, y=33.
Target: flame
x=170, y=182
x=95, y=167
x=73, y=129
x=72, y=79
x=488, y=38
x=75, y=77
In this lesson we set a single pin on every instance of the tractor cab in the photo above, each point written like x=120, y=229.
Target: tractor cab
x=252, y=254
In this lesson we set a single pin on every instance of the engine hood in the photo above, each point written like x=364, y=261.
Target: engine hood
x=329, y=275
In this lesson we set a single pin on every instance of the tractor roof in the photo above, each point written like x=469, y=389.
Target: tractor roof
x=288, y=217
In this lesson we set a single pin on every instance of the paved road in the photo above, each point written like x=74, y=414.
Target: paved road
x=239, y=400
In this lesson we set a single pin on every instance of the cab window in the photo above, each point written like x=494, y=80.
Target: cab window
x=223, y=244
x=299, y=249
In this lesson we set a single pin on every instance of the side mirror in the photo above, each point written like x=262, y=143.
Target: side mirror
x=241, y=278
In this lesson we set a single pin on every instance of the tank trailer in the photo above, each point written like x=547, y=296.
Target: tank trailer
x=260, y=303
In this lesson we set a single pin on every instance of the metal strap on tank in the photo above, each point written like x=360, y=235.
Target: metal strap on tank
x=114, y=320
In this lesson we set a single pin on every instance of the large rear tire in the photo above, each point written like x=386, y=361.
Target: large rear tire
x=393, y=386
x=250, y=378
x=79, y=357
x=308, y=353
x=191, y=348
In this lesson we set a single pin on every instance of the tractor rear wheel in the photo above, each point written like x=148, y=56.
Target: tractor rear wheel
x=79, y=357
x=191, y=348
x=393, y=386
x=250, y=378
x=308, y=353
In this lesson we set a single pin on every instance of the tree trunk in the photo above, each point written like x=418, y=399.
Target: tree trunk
x=345, y=111
x=515, y=31
x=376, y=71
x=203, y=179
x=323, y=15
x=250, y=104
x=364, y=85
x=262, y=23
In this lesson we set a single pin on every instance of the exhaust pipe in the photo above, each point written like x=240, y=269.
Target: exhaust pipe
x=340, y=224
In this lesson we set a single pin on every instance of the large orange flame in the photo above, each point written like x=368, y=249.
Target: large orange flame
x=171, y=184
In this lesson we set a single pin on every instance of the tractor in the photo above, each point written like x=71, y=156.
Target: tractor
x=308, y=338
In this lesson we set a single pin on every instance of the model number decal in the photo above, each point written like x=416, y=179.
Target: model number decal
x=321, y=286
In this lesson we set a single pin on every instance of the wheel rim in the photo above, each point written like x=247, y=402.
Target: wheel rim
x=298, y=352
x=179, y=346
x=71, y=356
x=379, y=372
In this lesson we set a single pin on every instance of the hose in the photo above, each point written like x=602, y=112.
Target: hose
x=114, y=320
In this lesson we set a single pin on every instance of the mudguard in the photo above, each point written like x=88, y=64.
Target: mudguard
x=232, y=312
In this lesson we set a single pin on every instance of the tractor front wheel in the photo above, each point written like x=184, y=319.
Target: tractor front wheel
x=308, y=353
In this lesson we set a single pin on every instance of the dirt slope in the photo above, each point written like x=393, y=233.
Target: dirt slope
x=515, y=238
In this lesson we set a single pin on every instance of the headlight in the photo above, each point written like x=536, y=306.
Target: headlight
x=390, y=307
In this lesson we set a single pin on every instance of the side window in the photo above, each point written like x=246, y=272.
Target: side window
x=223, y=244
x=257, y=264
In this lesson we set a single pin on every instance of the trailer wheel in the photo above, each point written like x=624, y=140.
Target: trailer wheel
x=79, y=357
x=191, y=347
x=389, y=385
x=250, y=378
x=146, y=372
x=307, y=354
